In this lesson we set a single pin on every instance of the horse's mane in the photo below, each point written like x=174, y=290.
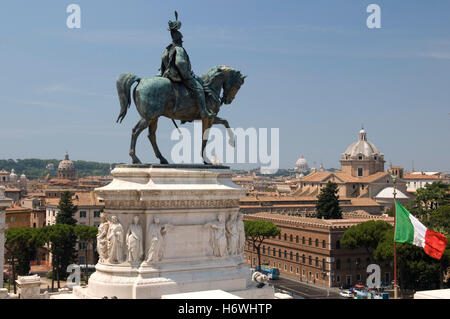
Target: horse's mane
x=212, y=73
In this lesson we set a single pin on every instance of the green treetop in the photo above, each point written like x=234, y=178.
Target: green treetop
x=328, y=202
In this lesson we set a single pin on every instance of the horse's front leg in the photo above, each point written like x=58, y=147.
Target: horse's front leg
x=231, y=140
x=140, y=126
x=152, y=137
x=206, y=125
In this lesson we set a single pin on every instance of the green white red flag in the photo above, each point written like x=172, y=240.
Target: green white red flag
x=408, y=229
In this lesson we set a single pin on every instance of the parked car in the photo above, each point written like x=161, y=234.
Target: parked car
x=346, y=294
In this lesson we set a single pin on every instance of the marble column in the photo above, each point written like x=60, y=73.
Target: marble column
x=4, y=203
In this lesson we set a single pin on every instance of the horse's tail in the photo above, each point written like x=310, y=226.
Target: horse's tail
x=124, y=83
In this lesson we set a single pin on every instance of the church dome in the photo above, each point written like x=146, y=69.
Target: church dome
x=13, y=175
x=301, y=164
x=362, y=146
x=66, y=168
x=66, y=164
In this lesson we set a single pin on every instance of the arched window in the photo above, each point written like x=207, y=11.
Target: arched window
x=324, y=264
x=264, y=249
x=285, y=237
x=279, y=253
x=296, y=257
x=310, y=260
x=324, y=244
x=296, y=239
x=285, y=254
x=274, y=252
x=310, y=241
x=303, y=240
x=291, y=238
x=303, y=258
x=317, y=261
x=290, y=255
x=317, y=242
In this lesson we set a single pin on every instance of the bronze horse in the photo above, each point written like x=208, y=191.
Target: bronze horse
x=158, y=96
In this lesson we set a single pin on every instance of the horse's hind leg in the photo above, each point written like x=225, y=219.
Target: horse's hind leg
x=140, y=126
x=152, y=137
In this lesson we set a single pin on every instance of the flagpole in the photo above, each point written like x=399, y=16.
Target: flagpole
x=395, y=244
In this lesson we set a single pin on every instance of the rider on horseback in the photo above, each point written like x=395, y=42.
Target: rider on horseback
x=177, y=67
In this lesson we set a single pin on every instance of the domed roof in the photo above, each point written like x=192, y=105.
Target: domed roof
x=362, y=146
x=301, y=161
x=66, y=164
x=388, y=192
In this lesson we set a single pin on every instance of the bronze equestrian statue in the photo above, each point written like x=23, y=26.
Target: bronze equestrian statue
x=178, y=94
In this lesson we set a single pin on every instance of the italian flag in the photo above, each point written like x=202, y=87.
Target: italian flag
x=408, y=229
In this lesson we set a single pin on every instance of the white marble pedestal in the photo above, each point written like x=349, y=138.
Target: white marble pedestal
x=187, y=200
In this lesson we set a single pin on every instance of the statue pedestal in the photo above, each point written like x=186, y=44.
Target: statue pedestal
x=186, y=246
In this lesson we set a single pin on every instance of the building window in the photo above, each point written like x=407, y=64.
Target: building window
x=268, y=251
x=324, y=244
x=297, y=257
x=317, y=242
x=274, y=252
x=338, y=244
x=338, y=278
x=285, y=254
x=303, y=240
x=291, y=269
x=349, y=264
x=358, y=278
x=360, y=171
x=279, y=253
x=303, y=258
x=310, y=241
x=296, y=270
x=310, y=260
x=82, y=214
x=264, y=249
x=338, y=264
x=317, y=261
x=96, y=214
x=291, y=238
x=360, y=157
x=285, y=267
x=303, y=272
x=358, y=263
x=291, y=256
x=296, y=239
x=317, y=276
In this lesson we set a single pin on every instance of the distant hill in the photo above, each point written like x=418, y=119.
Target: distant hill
x=35, y=168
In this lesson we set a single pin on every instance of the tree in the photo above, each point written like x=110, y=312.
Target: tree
x=433, y=195
x=257, y=231
x=61, y=241
x=21, y=244
x=66, y=210
x=328, y=202
x=88, y=235
x=365, y=235
x=416, y=269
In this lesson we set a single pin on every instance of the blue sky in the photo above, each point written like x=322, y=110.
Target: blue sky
x=314, y=70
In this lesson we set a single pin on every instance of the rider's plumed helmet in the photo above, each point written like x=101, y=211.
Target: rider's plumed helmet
x=175, y=25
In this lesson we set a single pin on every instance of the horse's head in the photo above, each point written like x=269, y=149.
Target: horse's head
x=232, y=83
